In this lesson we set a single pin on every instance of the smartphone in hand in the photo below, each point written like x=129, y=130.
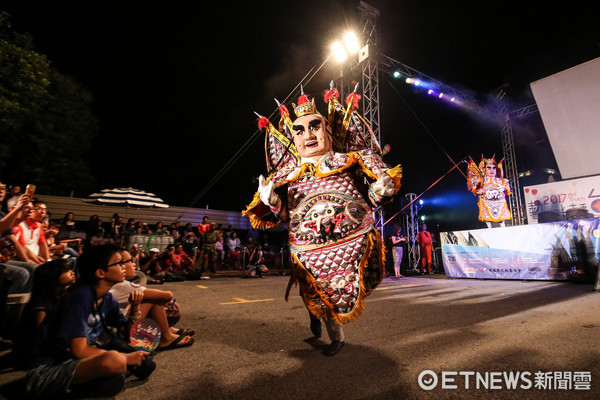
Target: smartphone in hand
x=30, y=191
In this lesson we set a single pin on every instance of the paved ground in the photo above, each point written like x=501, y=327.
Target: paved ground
x=250, y=342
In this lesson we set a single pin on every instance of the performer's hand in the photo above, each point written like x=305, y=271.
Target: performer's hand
x=384, y=185
x=267, y=194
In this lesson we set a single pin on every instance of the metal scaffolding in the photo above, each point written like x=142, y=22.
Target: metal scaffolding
x=510, y=164
x=370, y=62
x=411, y=224
x=370, y=68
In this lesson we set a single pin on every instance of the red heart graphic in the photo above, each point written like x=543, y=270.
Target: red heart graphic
x=526, y=190
x=534, y=192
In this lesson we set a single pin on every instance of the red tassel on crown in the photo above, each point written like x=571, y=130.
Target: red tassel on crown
x=303, y=99
x=305, y=106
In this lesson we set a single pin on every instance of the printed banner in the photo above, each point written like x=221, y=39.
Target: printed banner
x=564, y=200
x=564, y=250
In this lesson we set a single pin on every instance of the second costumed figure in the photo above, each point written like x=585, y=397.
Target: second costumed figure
x=491, y=189
x=326, y=176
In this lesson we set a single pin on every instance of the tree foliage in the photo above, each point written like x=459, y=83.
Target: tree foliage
x=46, y=123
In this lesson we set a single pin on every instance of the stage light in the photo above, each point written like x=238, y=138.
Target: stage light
x=429, y=91
x=441, y=95
x=351, y=43
x=338, y=52
x=409, y=80
x=423, y=218
x=421, y=202
x=452, y=99
x=417, y=82
x=397, y=74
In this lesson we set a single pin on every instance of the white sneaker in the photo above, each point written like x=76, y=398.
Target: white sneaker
x=205, y=277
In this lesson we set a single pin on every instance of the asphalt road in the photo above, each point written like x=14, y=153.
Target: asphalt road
x=250, y=343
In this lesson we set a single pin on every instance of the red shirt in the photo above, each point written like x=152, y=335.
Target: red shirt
x=203, y=228
x=30, y=234
x=171, y=266
x=424, y=239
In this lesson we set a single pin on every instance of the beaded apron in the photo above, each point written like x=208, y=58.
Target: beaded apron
x=329, y=236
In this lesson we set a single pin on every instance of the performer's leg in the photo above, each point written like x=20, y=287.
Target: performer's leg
x=396, y=261
x=336, y=334
x=503, y=224
x=315, y=325
x=488, y=223
x=429, y=251
x=400, y=252
x=212, y=261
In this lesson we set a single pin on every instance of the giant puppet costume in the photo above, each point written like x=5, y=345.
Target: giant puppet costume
x=326, y=176
x=492, y=190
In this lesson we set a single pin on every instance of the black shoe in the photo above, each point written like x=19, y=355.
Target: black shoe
x=333, y=348
x=315, y=325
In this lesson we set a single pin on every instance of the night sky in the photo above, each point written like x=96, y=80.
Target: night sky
x=176, y=85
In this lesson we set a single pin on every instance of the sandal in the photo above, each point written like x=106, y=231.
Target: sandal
x=175, y=344
x=186, y=332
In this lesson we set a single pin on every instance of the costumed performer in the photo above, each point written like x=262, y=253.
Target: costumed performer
x=482, y=180
x=325, y=177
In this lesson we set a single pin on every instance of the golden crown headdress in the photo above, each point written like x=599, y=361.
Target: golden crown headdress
x=491, y=161
x=305, y=106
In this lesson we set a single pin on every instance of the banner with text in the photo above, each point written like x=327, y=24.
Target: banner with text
x=564, y=250
x=564, y=200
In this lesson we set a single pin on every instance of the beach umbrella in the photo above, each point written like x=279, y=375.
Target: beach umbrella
x=126, y=197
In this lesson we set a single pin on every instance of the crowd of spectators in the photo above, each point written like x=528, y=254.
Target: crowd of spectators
x=79, y=273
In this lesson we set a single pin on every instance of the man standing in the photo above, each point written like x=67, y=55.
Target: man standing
x=425, y=249
x=327, y=200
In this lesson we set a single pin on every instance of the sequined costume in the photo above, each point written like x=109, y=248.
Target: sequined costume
x=491, y=190
x=338, y=255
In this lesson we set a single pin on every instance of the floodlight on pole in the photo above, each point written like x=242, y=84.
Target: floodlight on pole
x=338, y=51
x=351, y=43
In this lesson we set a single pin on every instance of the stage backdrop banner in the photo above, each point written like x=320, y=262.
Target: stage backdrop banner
x=565, y=250
x=580, y=197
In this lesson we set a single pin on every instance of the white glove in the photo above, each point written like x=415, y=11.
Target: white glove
x=267, y=195
x=384, y=185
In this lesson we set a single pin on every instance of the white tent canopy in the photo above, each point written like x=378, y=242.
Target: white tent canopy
x=127, y=196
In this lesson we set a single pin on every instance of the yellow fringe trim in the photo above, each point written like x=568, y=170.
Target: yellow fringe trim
x=253, y=213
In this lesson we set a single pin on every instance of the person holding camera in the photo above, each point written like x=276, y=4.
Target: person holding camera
x=172, y=261
x=71, y=353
